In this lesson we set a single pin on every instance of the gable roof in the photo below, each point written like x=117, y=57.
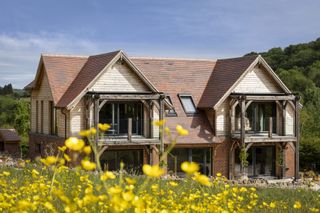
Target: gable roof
x=91, y=71
x=93, y=66
x=61, y=70
x=208, y=81
x=224, y=76
x=9, y=135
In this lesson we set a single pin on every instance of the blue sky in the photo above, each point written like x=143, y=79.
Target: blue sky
x=186, y=28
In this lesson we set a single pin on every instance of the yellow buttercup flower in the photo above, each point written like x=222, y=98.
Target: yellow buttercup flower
x=127, y=196
x=297, y=205
x=93, y=130
x=172, y=183
x=67, y=157
x=87, y=150
x=104, y=127
x=272, y=205
x=203, y=179
x=107, y=175
x=152, y=171
x=74, y=143
x=85, y=133
x=130, y=181
x=190, y=167
x=88, y=165
x=181, y=131
x=62, y=148
x=49, y=160
x=159, y=122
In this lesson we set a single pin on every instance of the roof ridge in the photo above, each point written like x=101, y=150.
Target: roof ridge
x=64, y=55
x=245, y=56
x=165, y=58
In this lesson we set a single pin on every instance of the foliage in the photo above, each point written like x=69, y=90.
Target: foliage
x=14, y=113
x=298, y=66
x=243, y=155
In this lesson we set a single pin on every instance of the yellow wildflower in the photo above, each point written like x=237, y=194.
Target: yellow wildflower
x=203, y=179
x=74, y=143
x=127, y=196
x=93, y=130
x=49, y=160
x=87, y=165
x=159, y=122
x=87, y=150
x=85, y=133
x=297, y=205
x=172, y=183
x=272, y=205
x=314, y=209
x=6, y=173
x=62, y=148
x=181, y=131
x=67, y=157
x=107, y=175
x=34, y=173
x=190, y=167
x=130, y=181
x=152, y=171
x=104, y=127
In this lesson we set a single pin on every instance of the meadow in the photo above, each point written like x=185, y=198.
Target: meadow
x=48, y=185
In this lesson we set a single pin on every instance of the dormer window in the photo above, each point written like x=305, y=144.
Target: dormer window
x=170, y=112
x=187, y=104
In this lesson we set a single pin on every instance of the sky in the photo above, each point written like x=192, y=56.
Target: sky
x=164, y=28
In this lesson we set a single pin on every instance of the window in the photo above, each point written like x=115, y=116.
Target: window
x=37, y=116
x=41, y=117
x=170, y=112
x=117, y=115
x=188, y=104
x=257, y=117
x=51, y=117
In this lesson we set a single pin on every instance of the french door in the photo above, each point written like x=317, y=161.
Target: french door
x=117, y=115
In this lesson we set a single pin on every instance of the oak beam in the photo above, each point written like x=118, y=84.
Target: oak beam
x=128, y=97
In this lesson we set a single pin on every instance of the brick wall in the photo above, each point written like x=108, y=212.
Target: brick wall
x=221, y=158
x=12, y=148
x=290, y=158
x=41, y=145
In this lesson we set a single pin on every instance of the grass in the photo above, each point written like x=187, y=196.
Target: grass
x=32, y=189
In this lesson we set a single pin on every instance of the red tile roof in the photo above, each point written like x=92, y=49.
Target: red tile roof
x=9, y=135
x=224, y=76
x=89, y=71
x=61, y=71
x=206, y=80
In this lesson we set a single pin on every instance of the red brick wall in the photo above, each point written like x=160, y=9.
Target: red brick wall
x=290, y=158
x=12, y=148
x=48, y=144
x=221, y=158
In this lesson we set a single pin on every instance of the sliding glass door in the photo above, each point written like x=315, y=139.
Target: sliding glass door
x=117, y=115
x=202, y=156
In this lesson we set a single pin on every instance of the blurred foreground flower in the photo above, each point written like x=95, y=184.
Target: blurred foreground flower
x=87, y=165
x=152, y=171
x=181, y=131
x=104, y=127
x=190, y=167
x=74, y=143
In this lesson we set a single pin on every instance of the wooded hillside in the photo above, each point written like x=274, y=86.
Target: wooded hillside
x=299, y=67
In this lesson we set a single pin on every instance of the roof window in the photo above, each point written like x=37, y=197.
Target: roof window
x=187, y=104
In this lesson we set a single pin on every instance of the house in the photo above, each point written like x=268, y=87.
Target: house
x=9, y=141
x=225, y=104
